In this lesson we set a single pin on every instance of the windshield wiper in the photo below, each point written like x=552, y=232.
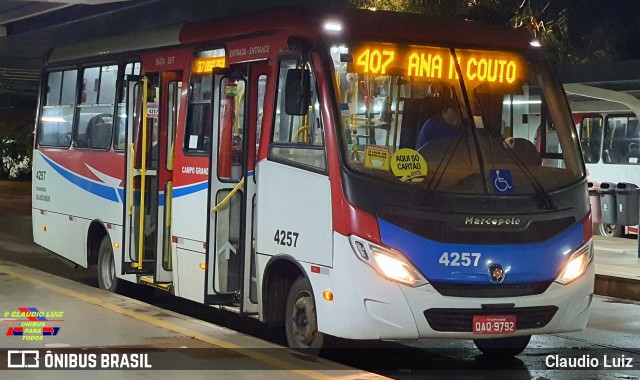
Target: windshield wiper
x=451, y=149
x=474, y=132
x=458, y=137
x=541, y=193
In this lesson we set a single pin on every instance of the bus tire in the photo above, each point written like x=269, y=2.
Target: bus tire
x=610, y=230
x=107, y=279
x=301, y=324
x=502, y=347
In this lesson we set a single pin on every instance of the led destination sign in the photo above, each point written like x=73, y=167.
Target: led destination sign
x=438, y=63
x=205, y=65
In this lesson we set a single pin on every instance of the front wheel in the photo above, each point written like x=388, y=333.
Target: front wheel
x=610, y=230
x=107, y=279
x=301, y=323
x=503, y=347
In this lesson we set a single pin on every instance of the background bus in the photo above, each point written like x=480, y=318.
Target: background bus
x=607, y=123
x=285, y=183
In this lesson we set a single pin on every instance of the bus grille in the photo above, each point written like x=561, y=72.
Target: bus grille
x=441, y=231
x=490, y=290
x=461, y=320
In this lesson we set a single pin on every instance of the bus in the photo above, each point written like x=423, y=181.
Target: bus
x=607, y=122
x=266, y=164
x=611, y=146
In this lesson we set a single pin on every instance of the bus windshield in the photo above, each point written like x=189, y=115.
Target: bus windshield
x=454, y=120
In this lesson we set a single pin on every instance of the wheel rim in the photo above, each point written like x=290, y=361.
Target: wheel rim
x=303, y=319
x=608, y=229
x=108, y=270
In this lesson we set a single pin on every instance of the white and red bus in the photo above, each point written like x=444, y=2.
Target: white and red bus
x=607, y=122
x=267, y=164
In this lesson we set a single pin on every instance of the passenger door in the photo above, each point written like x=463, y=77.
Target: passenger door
x=149, y=151
x=238, y=104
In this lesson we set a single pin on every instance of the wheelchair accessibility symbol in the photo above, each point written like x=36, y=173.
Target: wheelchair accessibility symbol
x=502, y=181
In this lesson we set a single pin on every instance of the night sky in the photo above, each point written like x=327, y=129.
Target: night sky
x=604, y=25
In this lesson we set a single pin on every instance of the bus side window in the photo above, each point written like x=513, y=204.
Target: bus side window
x=197, y=137
x=621, y=140
x=57, y=113
x=95, y=119
x=633, y=137
x=590, y=138
x=119, y=138
x=231, y=128
x=298, y=139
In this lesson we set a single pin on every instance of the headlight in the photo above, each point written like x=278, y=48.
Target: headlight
x=389, y=263
x=577, y=264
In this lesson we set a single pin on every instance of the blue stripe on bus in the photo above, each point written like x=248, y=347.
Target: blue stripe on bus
x=113, y=194
x=103, y=191
x=186, y=190
x=521, y=262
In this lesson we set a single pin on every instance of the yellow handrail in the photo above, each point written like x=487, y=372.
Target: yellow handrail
x=304, y=131
x=226, y=199
x=143, y=173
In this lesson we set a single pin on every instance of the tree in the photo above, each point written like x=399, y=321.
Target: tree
x=16, y=141
x=545, y=20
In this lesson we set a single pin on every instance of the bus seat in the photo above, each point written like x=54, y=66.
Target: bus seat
x=632, y=129
x=61, y=139
x=492, y=146
x=98, y=133
x=414, y=113
x=610, y=156
x=618, y=145
x=633, y=154
x=435, y=150
x=526, y=151
x=590, y=152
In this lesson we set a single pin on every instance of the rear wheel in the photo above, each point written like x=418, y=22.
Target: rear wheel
x=301, y=323
x=107, y=279
x=610, y=230
x=503, y=347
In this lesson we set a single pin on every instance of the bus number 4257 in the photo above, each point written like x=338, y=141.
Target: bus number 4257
x=288, y=238
x=456, y=259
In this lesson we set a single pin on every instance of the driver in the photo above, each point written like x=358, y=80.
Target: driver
x=442, y=125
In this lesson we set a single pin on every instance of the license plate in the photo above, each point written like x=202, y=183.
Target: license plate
x=494, y=324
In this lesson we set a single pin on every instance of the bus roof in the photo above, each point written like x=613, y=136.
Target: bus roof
x=305, y=22
x=364, y=25
x=118, y=44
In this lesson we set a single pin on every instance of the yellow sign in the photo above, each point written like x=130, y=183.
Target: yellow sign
x=205, y=65
x=438, y=63
x=376, y=157
x=231, y=89
x=409, y=166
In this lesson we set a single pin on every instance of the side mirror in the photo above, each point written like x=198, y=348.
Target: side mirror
x=297, y=92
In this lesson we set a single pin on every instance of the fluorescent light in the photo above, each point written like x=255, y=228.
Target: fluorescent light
x=53, y=119
x=520, y=102
x=333, y=26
